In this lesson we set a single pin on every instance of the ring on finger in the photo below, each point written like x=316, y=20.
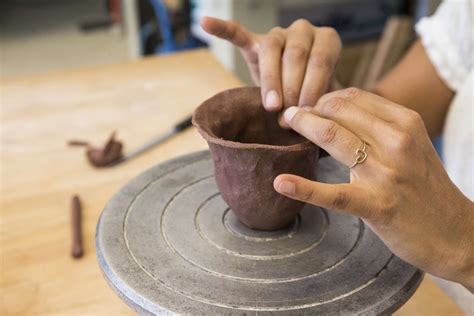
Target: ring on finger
x=361, y=155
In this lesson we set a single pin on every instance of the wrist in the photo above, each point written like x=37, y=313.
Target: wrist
x=463, y=251
x=467, y=268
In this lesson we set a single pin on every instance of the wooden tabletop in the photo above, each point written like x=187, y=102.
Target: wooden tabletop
x=39, y=173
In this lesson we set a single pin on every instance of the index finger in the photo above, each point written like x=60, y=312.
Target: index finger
x=229, y=31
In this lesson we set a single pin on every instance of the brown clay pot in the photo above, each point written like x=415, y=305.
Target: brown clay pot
x=249, y=150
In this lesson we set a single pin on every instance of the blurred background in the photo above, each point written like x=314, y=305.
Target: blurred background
x=39, y=36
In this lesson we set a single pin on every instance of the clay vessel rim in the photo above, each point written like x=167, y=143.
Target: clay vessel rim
x=305, y=145
x=210, y=137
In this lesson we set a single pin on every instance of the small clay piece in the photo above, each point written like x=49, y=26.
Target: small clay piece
x=111, y=152
x=102, y=157
x=76, y=249
x=249, y=150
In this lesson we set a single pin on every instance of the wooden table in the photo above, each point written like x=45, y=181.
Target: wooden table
x=39, y=173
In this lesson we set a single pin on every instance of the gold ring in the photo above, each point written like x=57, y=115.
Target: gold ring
x=361, y=156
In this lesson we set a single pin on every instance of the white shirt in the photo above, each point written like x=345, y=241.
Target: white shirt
x=448, y=39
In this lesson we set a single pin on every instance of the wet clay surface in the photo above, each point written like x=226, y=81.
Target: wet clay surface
x=249, y=149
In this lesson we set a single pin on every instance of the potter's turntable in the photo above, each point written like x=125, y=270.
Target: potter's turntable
x=167, y=243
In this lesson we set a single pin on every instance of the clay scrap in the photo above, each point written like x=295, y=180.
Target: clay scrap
x=104, y=156
x=77, y=250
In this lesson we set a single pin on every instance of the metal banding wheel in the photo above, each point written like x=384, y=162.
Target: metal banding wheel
x=167, y=243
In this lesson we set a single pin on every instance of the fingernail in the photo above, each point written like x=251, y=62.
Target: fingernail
x=289, y=113
x=272, y=101
x=307, y=108
x=287, y=187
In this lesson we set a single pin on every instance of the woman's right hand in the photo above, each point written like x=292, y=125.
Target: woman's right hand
x=293, y=66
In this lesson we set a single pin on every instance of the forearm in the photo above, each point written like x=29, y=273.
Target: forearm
x=432, y=116
x=415, y=83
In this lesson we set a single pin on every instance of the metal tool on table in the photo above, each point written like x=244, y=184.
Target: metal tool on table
x=179, y=127
x=111, y=153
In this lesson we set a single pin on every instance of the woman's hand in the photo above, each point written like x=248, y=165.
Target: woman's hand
x=401, y=191
x=293, y=66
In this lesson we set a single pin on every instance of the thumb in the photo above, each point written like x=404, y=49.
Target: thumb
x=342, y=197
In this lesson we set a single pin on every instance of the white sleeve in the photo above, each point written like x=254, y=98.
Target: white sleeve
x=447, y=37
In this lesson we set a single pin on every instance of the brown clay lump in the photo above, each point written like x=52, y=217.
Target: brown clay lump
x=104, y=156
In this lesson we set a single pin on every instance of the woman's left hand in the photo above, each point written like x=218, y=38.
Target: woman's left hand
x=401, y=190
